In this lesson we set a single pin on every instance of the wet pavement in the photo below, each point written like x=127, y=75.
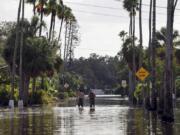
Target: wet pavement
x=112, y=116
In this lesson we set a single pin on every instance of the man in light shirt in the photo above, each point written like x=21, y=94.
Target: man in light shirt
x=80, y=98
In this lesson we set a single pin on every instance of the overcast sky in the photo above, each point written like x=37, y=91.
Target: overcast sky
x=100, y=22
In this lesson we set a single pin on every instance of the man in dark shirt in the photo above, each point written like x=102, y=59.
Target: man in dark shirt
x=92, y=99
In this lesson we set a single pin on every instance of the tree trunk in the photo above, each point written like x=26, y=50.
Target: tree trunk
x=65, y=43
x=15, y=52
x=71, y=47
x=60, y=29
x=153, y=60
x=51, y=26
x=131, y=95
x=69, y=41
x=140, y=34
x=168, y=112
x=21, y=52
x=147, y=101
x=26, y=89
x=134, y=57
x=53, y=29
x=34, y=7
x=40, y=30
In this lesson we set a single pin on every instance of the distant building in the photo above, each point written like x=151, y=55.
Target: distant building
x=98, y=91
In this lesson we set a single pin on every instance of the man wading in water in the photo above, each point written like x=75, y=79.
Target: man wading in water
x=80, y=99
x=92, y=100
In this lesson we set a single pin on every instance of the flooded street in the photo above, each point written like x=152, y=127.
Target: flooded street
x=111, y=117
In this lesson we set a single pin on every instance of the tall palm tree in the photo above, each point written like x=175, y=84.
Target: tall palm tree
x=40, y=9
x=131, y=6
x=67, y=17
x=21, y=55
x=60, y=14
x=153, y=58
x=147, y=100
x=15, y=51
x=34, y=5
x=72, y=21
x=140, y=34
x=168, y=112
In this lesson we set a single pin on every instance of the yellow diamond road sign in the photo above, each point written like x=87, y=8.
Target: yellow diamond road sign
x=142, y=74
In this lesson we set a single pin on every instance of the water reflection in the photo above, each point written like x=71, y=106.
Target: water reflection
x=112, y=119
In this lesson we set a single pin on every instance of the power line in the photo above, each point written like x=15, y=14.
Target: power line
x=102, y=14
x=115, y=8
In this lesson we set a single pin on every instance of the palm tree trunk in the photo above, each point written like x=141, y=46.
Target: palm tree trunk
x=40, y=30
x=69, y=41
x=26, y=89
x=153, y=60
x=134, y=57
x=15, y=52
x=71, y=47
x=60, y=29
x=21, y=53
x=147, y=101
x=53, y=29
x=168, y=112
x=51, y=26
x=65, y=43
x=34, y=7
x=131, y=90
x=140, y=34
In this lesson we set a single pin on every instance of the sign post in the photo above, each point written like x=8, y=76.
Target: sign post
x=142, y=74
x=124, y=85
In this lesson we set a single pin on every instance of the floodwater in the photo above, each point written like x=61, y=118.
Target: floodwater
x=112, y=116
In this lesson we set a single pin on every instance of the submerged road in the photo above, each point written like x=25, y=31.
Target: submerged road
x=112, y=116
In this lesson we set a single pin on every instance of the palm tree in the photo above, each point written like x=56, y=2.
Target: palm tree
x=21, y=56
x=34, y=5
x=140, y=34
x=67, y=17
x=51, y=8
x=131, y=6
x=60, y=14
x=168, y=112
x=15, y=51
x=40, y=10
x=147, y=100
x=153, y=58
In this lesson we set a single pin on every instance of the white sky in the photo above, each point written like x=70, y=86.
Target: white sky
x=99, y=33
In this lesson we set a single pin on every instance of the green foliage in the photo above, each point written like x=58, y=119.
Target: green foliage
x=178, y=87
x=41, y=97
x=138, y=91
x=5, y=95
